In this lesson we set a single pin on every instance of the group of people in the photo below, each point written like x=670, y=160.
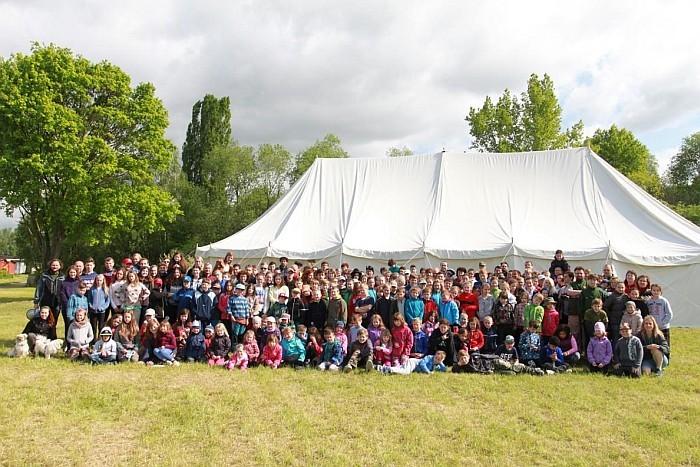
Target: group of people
x=398, y=320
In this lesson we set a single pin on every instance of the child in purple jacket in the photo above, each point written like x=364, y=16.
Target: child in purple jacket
x=599, y=351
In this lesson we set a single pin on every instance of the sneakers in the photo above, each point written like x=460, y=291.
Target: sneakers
x=368, y=365
x=175, y=363
x=168, y=362
x=538, y=372
x=347, y=369
x=550, y=372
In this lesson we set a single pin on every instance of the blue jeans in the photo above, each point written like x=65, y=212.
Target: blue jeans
x=97, y=358
x=164, y=354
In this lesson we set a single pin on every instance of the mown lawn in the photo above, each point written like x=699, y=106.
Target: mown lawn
x=55, y=413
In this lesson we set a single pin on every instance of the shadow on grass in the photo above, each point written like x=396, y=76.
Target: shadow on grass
x=13, y=285
x=5, y=300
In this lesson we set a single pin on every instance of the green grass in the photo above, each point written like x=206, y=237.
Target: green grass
x=54, y=413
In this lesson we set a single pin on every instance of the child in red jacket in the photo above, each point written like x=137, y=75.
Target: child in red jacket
x=550, y=321
x=166, y=344
x=402, y=338
x=468, y=301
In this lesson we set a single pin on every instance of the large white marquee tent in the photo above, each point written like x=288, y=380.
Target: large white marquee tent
x=466, y=208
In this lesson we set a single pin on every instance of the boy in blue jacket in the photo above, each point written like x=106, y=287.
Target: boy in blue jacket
x=205, y=302
x=420, y=340
x=185, y=296
x=293, y=349
x=554, y=357
x=195, y=350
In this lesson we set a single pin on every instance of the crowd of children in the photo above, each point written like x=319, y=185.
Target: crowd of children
x=397, y=321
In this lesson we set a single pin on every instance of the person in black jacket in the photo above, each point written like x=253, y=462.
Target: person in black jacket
x=42, y=324
x=558, y=262
x=48, y=289
x=442, y=339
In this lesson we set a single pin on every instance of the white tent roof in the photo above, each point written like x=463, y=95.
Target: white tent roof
x=468, y=206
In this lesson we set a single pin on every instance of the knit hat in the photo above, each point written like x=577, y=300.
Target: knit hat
x=599, y=327
x=209, y=328
x=196, y=324
x=340, y=324
x=187, y=279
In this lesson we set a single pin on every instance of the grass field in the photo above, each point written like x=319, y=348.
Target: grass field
x=58, y=413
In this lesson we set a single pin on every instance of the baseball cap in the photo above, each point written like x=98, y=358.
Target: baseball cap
x=510, y=339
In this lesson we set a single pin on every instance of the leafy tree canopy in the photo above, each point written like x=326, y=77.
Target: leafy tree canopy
x=621, y=149
x=80, y=150
x=531, y=123
x=328, y=147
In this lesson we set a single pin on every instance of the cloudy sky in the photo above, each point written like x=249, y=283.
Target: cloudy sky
x=383, y=74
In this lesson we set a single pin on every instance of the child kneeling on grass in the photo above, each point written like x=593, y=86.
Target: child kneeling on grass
x=105, y=349
x=220, y=346
x=507, y=360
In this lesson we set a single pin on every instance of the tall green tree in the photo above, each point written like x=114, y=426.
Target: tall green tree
x=621, y=149
x=328, y=147
x=80, y=150
x=210, y=127
x=531, y=123
x=8, y=246
x=683, y=173
x=273, y=162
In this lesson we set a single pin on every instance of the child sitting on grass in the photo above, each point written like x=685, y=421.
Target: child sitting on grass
x=360, y=353
x=490, y=336
x=250, y=345
x=628, y=354
x=271, y=356
x=220, y=346
x=293, y=349
x=568, y=345
x=105, y=350
x=239, y=359
x=165, y=345
x=195, y=348
x=599, y=351
x=529, y=345
x=507, y=361
x=332, y=356
x=554, y=357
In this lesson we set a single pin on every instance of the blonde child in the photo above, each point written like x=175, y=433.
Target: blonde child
x=239, y=359
x=660, y=309
x=250, y=345
x=220, y=346
x=375, y=328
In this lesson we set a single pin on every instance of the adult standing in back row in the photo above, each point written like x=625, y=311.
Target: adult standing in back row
x=48, y=289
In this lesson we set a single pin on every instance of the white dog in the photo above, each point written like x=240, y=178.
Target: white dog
x=21, y=348
x=47, y=347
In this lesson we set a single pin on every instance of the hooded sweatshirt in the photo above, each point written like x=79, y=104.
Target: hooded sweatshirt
x=634, y=320
x=79, y=335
